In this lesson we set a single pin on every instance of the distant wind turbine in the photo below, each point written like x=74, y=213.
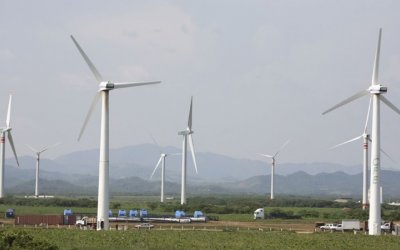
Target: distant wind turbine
x=273, y=162
x=38, y=153
x=376, y=90
x=162, y=161
x=3, y=131
x=104, y=88
x=187, y=133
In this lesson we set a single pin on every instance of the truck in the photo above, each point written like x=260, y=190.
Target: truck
x=330, y=227
x=86, y=221
x=350, y=225
x=259, y=213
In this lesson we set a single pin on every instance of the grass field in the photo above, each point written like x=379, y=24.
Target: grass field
x=166, y=239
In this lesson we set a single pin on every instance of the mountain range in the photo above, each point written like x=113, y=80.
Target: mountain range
x=131, y=166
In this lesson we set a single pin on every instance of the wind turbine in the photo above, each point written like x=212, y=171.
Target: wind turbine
x=38, y=153
x=366, y=139
x=376, y=90
x=162, y=161
x=273, y=162
x=104, y=88
x=187, y=133
x=3, y=131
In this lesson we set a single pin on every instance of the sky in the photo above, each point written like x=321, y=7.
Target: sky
x=260, y=73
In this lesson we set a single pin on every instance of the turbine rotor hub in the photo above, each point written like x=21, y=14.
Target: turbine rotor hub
x=377, y=89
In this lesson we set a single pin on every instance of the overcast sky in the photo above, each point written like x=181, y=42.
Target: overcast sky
x=260, y=72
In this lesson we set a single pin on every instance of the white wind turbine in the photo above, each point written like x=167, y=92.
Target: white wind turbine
x=187, y=133
x=162, y=161
x=3, y=131
x=273, y=162
x=366, y=139
x=104, y=88
x=38, y=153
x=376, y=90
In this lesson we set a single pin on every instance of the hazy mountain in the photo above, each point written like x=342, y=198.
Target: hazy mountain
x=130, y=168
x=140, y=160
x=336, y=184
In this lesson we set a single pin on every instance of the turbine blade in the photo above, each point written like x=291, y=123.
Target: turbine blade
x=193, y=154
x=31, y=148
x=387, y=155
x=89, y=114
x=154, y=140
x=87, y=60
x=52, y=146
x=390, y=105
x=369, y=110
x=9, y=112
x=343, y=143
x=376, y=63
x=269, y=156
x=190, y=114
x=282, y=147
x=350, y=99
x=158, y=163
x=119, y=85
x=10, y=139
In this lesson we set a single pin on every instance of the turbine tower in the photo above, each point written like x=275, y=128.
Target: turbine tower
x=376, y=90
x=187, y=134
x=104, y=88
x=38, y=153
x=366, y=140
x=162, y=161
x=3, y=131
x=273, y=162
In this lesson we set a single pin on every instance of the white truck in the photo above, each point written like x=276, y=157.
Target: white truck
x=350, y=225
x=329, y=227
x=86, y=222
x=259, y=213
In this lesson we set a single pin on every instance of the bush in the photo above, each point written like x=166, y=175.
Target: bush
x=22, y=240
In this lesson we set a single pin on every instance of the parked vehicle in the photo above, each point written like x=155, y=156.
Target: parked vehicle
x=86, y=221
x=386, y=226
x=350, y=225
x=325, y=227
x=144, y=226
x=259, y=213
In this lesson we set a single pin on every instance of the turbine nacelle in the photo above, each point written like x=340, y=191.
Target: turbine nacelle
x=106, y=86
x=377, y=89
x=186, y=132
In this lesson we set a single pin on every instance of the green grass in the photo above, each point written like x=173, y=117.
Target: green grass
x=155, y=239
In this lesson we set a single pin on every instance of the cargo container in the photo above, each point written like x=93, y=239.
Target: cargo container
x=45, y=220
x=133, y=213
x=179, y=214
x=68, y=211
x=143, y=213
x=122, y=213
x=10, y=213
